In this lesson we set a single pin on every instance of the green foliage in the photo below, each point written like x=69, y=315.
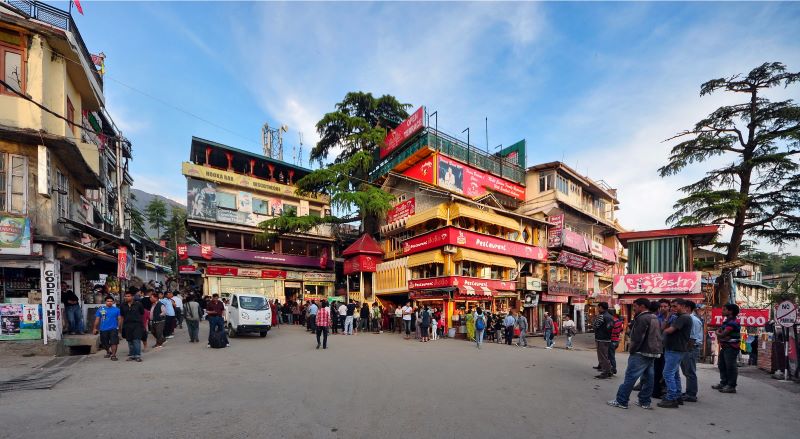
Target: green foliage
x=757, y=191
x=156, y=214
x=176, y=233
x=359, y=123
x=774, y=263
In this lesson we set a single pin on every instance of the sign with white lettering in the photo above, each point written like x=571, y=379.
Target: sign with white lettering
x=473, y=240
x=682, y=282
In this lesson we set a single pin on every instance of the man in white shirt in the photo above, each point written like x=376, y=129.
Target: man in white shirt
x=342, y=315
x=408, y=312
x=398, y=320
x=178, y=299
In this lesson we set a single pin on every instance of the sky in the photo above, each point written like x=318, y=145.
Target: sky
x=599, y=86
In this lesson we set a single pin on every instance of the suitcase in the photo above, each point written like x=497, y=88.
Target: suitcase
x=217, y=339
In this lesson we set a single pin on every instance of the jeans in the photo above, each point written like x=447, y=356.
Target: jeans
x=194, y=329
x=376, y=325
x=639, y=366
x=289, y=318
x=658, y=384
x=407, y=327
x=548, y=337
x=612, y=355
x=215, y=323
x=509, y=334
x=523, y=340
x=75, y=318
x=478, y=337
x=364, y=324
x=135, y=348
x=602, y=356
x=398, y=324
x=689, y=369
x=169, y=326
x=672, y=376
x=569, y=342
x=179, y=316
x=157, y=328
x=324, y=332
x=312, y=322
x=728, y=372
x=348, y=325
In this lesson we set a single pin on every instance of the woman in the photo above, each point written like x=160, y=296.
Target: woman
x=295, y=314
x=424, y=323
x=274, y=308
x=365, y=314
x=435, y=324
x=470, y=325
x=479, y=325
x=146, y=304
x=377, y=314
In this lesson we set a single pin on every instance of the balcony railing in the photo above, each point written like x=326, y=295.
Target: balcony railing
x=60, y=19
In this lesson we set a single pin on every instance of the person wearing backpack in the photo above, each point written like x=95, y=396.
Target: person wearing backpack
x=480, y=325
x=424, y=324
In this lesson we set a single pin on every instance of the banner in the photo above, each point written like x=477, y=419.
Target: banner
x=403, y=132
x=51, y=300
x=473, y=183
x=205, y=251
x=575, y=241
x=211, y=175
x=572, y=260
x=122, y=262
x=467, y=239
x=423, y=170
x=751, y=317
x=459, y=282
x=15, y=235
x=683, y=282
x=401, y=211
x=183, y=251
x=361, y=263
x=514, y=153
x=250, y=256
x=245, y=202
x=187, y=269
x=201, y=199
x=554, y=237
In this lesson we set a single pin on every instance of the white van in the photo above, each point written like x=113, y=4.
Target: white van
x=248, y=313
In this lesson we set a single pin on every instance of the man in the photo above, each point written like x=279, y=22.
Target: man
x=729, y=335
x=322, y=323
x=689, y=364
x=216, y=321
x=547, y=327
x=158, y=318
x=407, y=313
x=663, y=307
x=334, y=317
x=569, y=330
x=398, y=320
x=645, y=347
x=376, y=318
x=522, y=324
x=676, y=345
x=313, y=309
x=602, y=337
x=509, y=323
x=616, y=335
x=72, y=308
x=107, y=321
x=178, y=299
x=169, y=307
x=132, y=315
x=348, y=321
x=342, y=317
x=192, y=316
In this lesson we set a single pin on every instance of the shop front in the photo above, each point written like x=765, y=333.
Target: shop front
x=656, y=286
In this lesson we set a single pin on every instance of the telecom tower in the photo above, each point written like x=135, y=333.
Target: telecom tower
x=272, y=140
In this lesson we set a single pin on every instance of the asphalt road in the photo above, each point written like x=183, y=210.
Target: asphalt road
x=373, y=386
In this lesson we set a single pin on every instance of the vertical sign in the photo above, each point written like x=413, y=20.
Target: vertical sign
x=183, y=252
x=43, y=169
x=51, y=300
x=554, y=235
x=122, y=262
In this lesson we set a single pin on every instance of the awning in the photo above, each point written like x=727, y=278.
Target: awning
x=485, y=216
x=438, y=212
x=429, y=257
x=476, y=291
x=465, y=254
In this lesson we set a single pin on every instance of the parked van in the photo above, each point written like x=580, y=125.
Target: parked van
x=248, y=313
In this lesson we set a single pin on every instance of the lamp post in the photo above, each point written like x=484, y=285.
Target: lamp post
x=435, y=128
x=467, y=131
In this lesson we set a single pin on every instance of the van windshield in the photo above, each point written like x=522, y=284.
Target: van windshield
x=253, y=303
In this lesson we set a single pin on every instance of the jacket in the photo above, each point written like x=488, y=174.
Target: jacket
x=646, y=335
x=602, y=327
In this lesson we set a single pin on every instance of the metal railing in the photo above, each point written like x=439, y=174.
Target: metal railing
x=56, y=17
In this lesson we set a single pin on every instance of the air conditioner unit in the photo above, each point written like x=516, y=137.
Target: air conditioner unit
x=450, y=249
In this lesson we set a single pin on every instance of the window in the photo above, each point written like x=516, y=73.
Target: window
x=600, y=208
x=427, y=270
x=11, y=65
x=545, y=182
x=562, y=185
x=574, y=188
x=70, y=116
x=290, y=209
x=260, y=206
x=251, y=242
x=315, y=249
x=62, y=195
x=315, y=213
x=13, y=183
x=468, y=268
x=228, y=239
x=498, y=272
x=226, y=201
x=293, y=247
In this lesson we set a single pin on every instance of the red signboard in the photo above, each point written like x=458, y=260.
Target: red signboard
x=422, y=170
x=257, y=257
x=187, y=269
x=401, y=211
x=551, y=298
x=682, y=282
x=468, y=181
x=467, y=239
x=575, y=241
x=752, y=317
x=554, y=237
x=403, y=132
x=596, y=266
x=122, y=262
x=361, y=263
x=219, y=270
x=609, y=254
x=183, y=251
x=205, y=251
x=460, y=282
x=572, y=260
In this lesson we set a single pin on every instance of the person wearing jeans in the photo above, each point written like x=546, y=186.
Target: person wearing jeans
x=157, y=319
x=729, y=337
x=216, y=322
x=569, y=329
x=689, y=365
x=547, y=326
x=676, y=345
x=479, y=332
x=602, y=337
x=72, y=308
x=132, y=315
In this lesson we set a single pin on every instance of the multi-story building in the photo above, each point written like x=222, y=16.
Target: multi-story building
x=584, y=251
x=63, y=173
x=453, y=241
x=230, y=192
x=748, y=289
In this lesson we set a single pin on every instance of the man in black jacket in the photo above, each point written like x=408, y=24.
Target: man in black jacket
x=645, y=347
x=602, y=337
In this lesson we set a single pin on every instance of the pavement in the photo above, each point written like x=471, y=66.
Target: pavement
x=374, y=386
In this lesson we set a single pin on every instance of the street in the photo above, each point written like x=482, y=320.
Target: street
x=373, y=386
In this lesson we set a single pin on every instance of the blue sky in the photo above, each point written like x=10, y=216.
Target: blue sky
x=597, y=85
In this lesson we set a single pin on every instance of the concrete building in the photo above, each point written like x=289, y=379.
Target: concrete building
x=584, y=251
x=748, y=287
x=63, y=165
x=229, y=193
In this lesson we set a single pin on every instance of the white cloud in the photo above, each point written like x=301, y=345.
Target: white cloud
x=159, y=184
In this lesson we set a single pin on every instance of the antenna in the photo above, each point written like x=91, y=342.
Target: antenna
x=300, y=149
x=266, y=139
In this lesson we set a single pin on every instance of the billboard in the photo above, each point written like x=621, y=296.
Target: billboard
x=15, y=235
x=752, y=317
x=554, y=235
x=403, y=132
x=470, y=182
x=467, y=239
x=402, y=211
x=655, y=283
x=201, y=199
x=424, y=170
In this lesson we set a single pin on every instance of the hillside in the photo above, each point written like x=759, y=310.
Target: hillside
x=142, y=199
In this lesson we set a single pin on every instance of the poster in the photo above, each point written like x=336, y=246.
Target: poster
x=403, y=132
x=201, y=199
x=472, y=182
x=245, y=202
x=451, y=175
x=20, y=322
x=554, y=235
x=15, y=235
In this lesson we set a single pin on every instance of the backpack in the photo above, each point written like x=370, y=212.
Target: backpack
x=217, y=339
x=480, y=324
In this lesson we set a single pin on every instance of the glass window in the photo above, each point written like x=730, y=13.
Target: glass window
x=12, y=64
x=545, y=182
x=62, y=196
x=253, y=242
x=290, y=209
x=70, y=116
x=3, y=177
x=562, y=185
x=315, y=212
x=468, y=268
x=228, y=239
x=293, y=247
x=315, y=249
x=13, y=183
x=253, y=303
x=260, y=206
x=226, y=200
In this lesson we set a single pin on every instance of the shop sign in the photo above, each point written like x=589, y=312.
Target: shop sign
x=577, y=300
x=682, y=282
x=751, y=317
x=531, y=300
x=533, y=284
x=186, y=269
x=361, y=263
x=238, y=217
x=249, y=272
x=15, y=235
x=430, y=295
x=273, y=274
x=206, y=251
x=564, y=288
x=403, y=132
x=20, y=322
x=292, y=285
x=572, y=260
x=183, y=252
x=323, y=258
x=230, y=178
x=554, y=236
x=217, y=270
x=201, y=199
x=460, y=281
x=51, y=299
x=596, y=266
x=557, y=299
x=424, y=170
x=122, y=262
x=575, y=241
x=319, y=277
x=472, y=240
x=402, y=211
x=294, y=275
x=471, y=182
x=609, y=254
x=596, y=249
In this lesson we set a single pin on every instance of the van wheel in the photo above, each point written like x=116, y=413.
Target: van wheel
x=232, y=332
x=263, y=334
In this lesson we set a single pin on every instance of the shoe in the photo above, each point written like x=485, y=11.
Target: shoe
x=717, y=387
x=138, y=360
x=107, y=356
x=596, y=367
x=324, y=347
x=680, y=401
x=668, y=404
x=317, y=346
x=208, y=346
x=170, y=336
x=129, y=359
x=644, y=406
x=549, y=347
x=614, y=372
x=688, y=399
x=228, y=345
x=614, y=403
x=602, y=376
x=727, y=389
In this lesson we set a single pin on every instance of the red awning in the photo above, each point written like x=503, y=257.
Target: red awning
x=627, y=299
